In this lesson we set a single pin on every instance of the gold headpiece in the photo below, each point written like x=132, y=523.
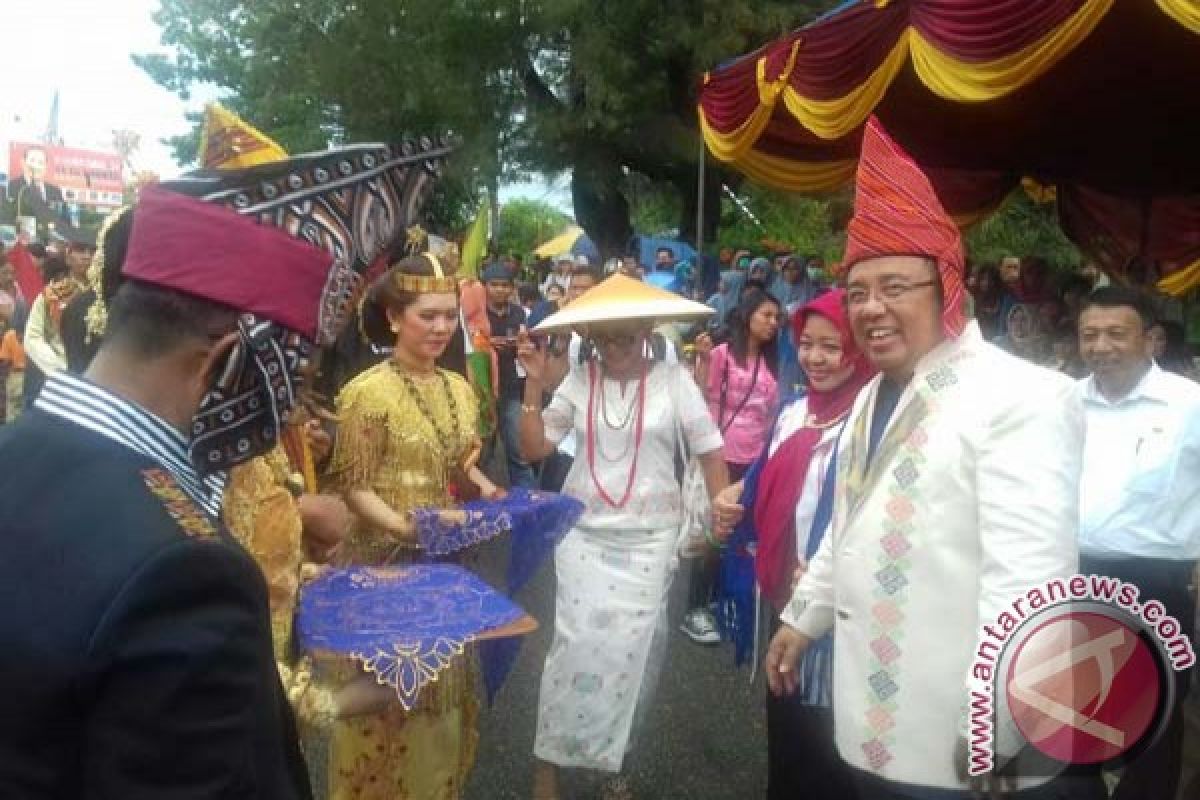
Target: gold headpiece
x=97, y=313
x=438, y=283
x=415, y=239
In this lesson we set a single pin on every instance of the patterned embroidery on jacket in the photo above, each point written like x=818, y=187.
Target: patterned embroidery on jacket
x=908, y=437
x=191, y=519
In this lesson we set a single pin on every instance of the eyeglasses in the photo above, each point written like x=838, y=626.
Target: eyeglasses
x=888, y=292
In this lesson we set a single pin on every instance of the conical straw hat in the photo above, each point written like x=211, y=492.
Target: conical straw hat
x=622, y=298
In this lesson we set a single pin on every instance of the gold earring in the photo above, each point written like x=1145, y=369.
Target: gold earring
x=395, y=329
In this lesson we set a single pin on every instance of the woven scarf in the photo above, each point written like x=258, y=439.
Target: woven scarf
x=252, y=398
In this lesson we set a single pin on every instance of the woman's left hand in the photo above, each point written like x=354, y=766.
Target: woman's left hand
x=727, y=511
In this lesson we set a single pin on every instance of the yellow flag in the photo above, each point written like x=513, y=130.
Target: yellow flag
x=228, y=142
x=475, y=245
x=1181, y=281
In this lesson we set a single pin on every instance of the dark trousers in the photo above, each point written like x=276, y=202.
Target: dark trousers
x=1155, y=774
x=520, y=474
x=1065, y=787
x=703, y=578
x=802, y=757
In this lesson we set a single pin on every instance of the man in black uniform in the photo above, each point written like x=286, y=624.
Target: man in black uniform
x=136, y=659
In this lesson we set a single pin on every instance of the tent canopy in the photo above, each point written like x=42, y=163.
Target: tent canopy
x=1095, y=97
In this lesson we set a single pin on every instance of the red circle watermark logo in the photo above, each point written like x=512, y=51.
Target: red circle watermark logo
x=1086, y=686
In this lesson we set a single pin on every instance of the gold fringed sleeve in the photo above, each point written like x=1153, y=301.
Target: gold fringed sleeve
x=361, y=443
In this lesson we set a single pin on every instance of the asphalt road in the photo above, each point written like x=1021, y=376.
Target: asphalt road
x=704, y=738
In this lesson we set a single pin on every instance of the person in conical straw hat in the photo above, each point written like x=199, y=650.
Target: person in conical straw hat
x=956, y=493
x=626, y=412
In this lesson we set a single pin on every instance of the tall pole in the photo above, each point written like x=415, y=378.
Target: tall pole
x=700, y=211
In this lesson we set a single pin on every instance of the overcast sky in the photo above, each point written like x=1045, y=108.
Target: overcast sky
x=82, y=48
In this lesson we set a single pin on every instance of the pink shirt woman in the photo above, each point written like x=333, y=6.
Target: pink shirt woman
x=742, y=392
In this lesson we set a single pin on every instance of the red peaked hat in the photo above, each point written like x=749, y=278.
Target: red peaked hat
x=896, y=212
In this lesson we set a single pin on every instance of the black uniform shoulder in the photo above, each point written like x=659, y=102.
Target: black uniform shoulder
x=84, y=511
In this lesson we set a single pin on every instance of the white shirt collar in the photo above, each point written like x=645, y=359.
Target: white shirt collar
x=1150, y=387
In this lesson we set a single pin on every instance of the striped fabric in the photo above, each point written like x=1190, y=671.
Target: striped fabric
x=100, y=411
x=896, y=212
x=814, y=678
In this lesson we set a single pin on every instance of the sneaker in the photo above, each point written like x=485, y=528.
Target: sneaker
x=700, y=626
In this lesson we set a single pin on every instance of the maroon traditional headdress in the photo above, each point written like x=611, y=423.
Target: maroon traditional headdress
x=896, y=212
x=286, y=243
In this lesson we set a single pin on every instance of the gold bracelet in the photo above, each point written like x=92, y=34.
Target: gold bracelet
x=528, y=409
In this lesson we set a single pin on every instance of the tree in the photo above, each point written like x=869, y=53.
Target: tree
x=524, y=224
x=809, y=226
x=126, y=143
x=655, y=209
x=529, y=85
x=1021, y=227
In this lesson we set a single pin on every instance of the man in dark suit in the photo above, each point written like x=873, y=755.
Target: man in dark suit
x=137, y=658
x=30, y=192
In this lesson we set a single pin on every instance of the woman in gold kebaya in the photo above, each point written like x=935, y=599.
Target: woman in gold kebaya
x=407, y=438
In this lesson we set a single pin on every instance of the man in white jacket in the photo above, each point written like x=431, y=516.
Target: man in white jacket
x=956, y=490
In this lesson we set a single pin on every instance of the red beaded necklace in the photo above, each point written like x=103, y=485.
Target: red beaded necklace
x=637, y=435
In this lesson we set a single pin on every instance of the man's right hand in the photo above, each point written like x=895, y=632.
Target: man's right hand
x=798, y=573
x=783, y=655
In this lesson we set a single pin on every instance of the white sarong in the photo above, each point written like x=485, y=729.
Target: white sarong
x=610, y=629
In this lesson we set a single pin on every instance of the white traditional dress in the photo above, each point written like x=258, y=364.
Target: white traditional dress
x=615, y=567
x=971, y=498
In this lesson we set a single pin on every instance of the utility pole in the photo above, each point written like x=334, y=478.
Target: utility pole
x=50, y=136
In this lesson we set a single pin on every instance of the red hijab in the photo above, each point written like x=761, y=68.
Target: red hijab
x=782, y=479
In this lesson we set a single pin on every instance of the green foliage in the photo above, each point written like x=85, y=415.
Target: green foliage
x=805, y=224
x=816, y=226
x=654, y=208
x=524, y=224
x=539, y=86
x=1021, y=227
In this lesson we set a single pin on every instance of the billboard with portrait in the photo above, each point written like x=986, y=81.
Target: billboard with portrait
x=43, y=179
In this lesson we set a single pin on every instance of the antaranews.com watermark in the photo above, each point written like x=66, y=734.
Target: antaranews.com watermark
x=1079, y=655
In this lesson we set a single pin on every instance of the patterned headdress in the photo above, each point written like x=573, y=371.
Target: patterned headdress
x=896, y=212
x=287, y=243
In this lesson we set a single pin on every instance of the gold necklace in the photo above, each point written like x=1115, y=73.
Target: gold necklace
x=404, y=367
x=811, y=421
x=448, y=440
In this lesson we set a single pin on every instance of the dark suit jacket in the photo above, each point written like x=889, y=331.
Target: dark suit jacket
x=136, y=660
x=31, y=202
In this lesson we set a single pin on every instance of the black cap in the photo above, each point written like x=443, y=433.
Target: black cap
x=80, y=237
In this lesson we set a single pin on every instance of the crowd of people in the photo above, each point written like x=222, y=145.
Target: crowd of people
x=888, y=457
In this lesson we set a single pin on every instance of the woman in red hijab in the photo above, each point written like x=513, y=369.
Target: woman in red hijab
x=788, y=496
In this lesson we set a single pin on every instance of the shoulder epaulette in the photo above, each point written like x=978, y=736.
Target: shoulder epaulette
x=182, y=509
